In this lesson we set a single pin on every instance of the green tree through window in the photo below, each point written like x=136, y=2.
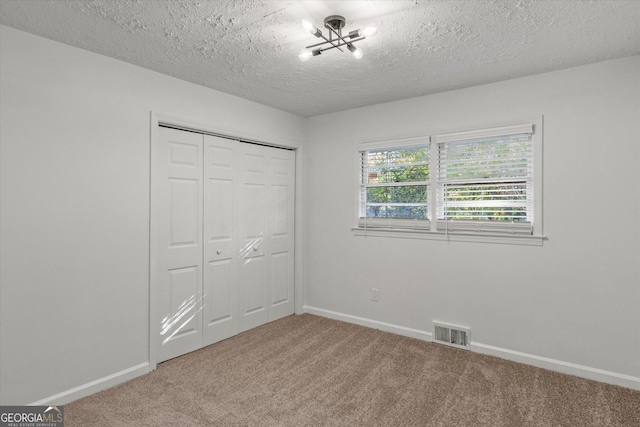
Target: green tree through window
x=396, y=183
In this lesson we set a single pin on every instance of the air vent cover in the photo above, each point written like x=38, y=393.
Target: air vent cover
x=455, y=336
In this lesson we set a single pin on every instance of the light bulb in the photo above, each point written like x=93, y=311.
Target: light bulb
x=370, y=31
x=355, y=51
x=305, y=55
x=311, y=28
x=307, y=25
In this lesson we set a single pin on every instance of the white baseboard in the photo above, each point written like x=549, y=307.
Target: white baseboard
x=94, y=386
x=374, y=324
x=559, y=366
x=503, y=353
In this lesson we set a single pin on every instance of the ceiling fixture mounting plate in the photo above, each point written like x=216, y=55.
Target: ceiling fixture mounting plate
x=336, y=22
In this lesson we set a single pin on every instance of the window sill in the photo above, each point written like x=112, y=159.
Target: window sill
x=449, y=237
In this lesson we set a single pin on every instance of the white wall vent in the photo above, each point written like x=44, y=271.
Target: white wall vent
x=455, y=336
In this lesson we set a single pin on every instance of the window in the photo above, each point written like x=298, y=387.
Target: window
x=481, y=184
x=485, y=181
x=394, y=185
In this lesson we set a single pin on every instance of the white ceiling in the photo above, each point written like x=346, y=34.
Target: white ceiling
x=250, y=48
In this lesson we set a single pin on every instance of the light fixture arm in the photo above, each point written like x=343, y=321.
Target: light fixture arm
x=329, y=40
x=344, y=42
x=341, y=44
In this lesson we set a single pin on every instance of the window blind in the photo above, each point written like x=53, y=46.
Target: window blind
x=485, y=181
x=394, y=185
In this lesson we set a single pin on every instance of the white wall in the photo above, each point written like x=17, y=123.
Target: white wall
x=575, y=300
x=75, y=207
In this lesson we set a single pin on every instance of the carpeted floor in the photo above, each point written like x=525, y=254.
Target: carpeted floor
x=311, y=371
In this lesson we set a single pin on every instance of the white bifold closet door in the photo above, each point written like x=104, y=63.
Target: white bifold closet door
x=222, y=237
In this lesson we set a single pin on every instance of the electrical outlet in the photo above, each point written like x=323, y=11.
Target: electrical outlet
x=375, y=295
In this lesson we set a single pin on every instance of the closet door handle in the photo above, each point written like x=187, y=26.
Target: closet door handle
x=255, y=248
x=218, y=251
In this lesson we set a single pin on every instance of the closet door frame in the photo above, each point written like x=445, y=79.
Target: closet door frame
x=158, y=119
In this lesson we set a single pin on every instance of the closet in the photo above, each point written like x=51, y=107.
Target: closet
x=222, y=237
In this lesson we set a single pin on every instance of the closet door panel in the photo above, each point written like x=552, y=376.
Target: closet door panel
x=220, y=287
x=280, y=281
x=219, y=301
x=253, y=218
x=184, y=287
x=178, y=240
x=254, y=285
x=281, y=232
x=184, y=202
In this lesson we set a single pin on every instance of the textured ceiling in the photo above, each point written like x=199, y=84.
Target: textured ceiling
x=250, y=48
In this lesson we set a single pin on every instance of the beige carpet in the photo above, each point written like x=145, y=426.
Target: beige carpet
x=311, y=371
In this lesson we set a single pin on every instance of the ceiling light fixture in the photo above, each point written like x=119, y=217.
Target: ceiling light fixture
x=335, y=24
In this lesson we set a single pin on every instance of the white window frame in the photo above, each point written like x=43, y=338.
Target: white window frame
x=483, y=235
